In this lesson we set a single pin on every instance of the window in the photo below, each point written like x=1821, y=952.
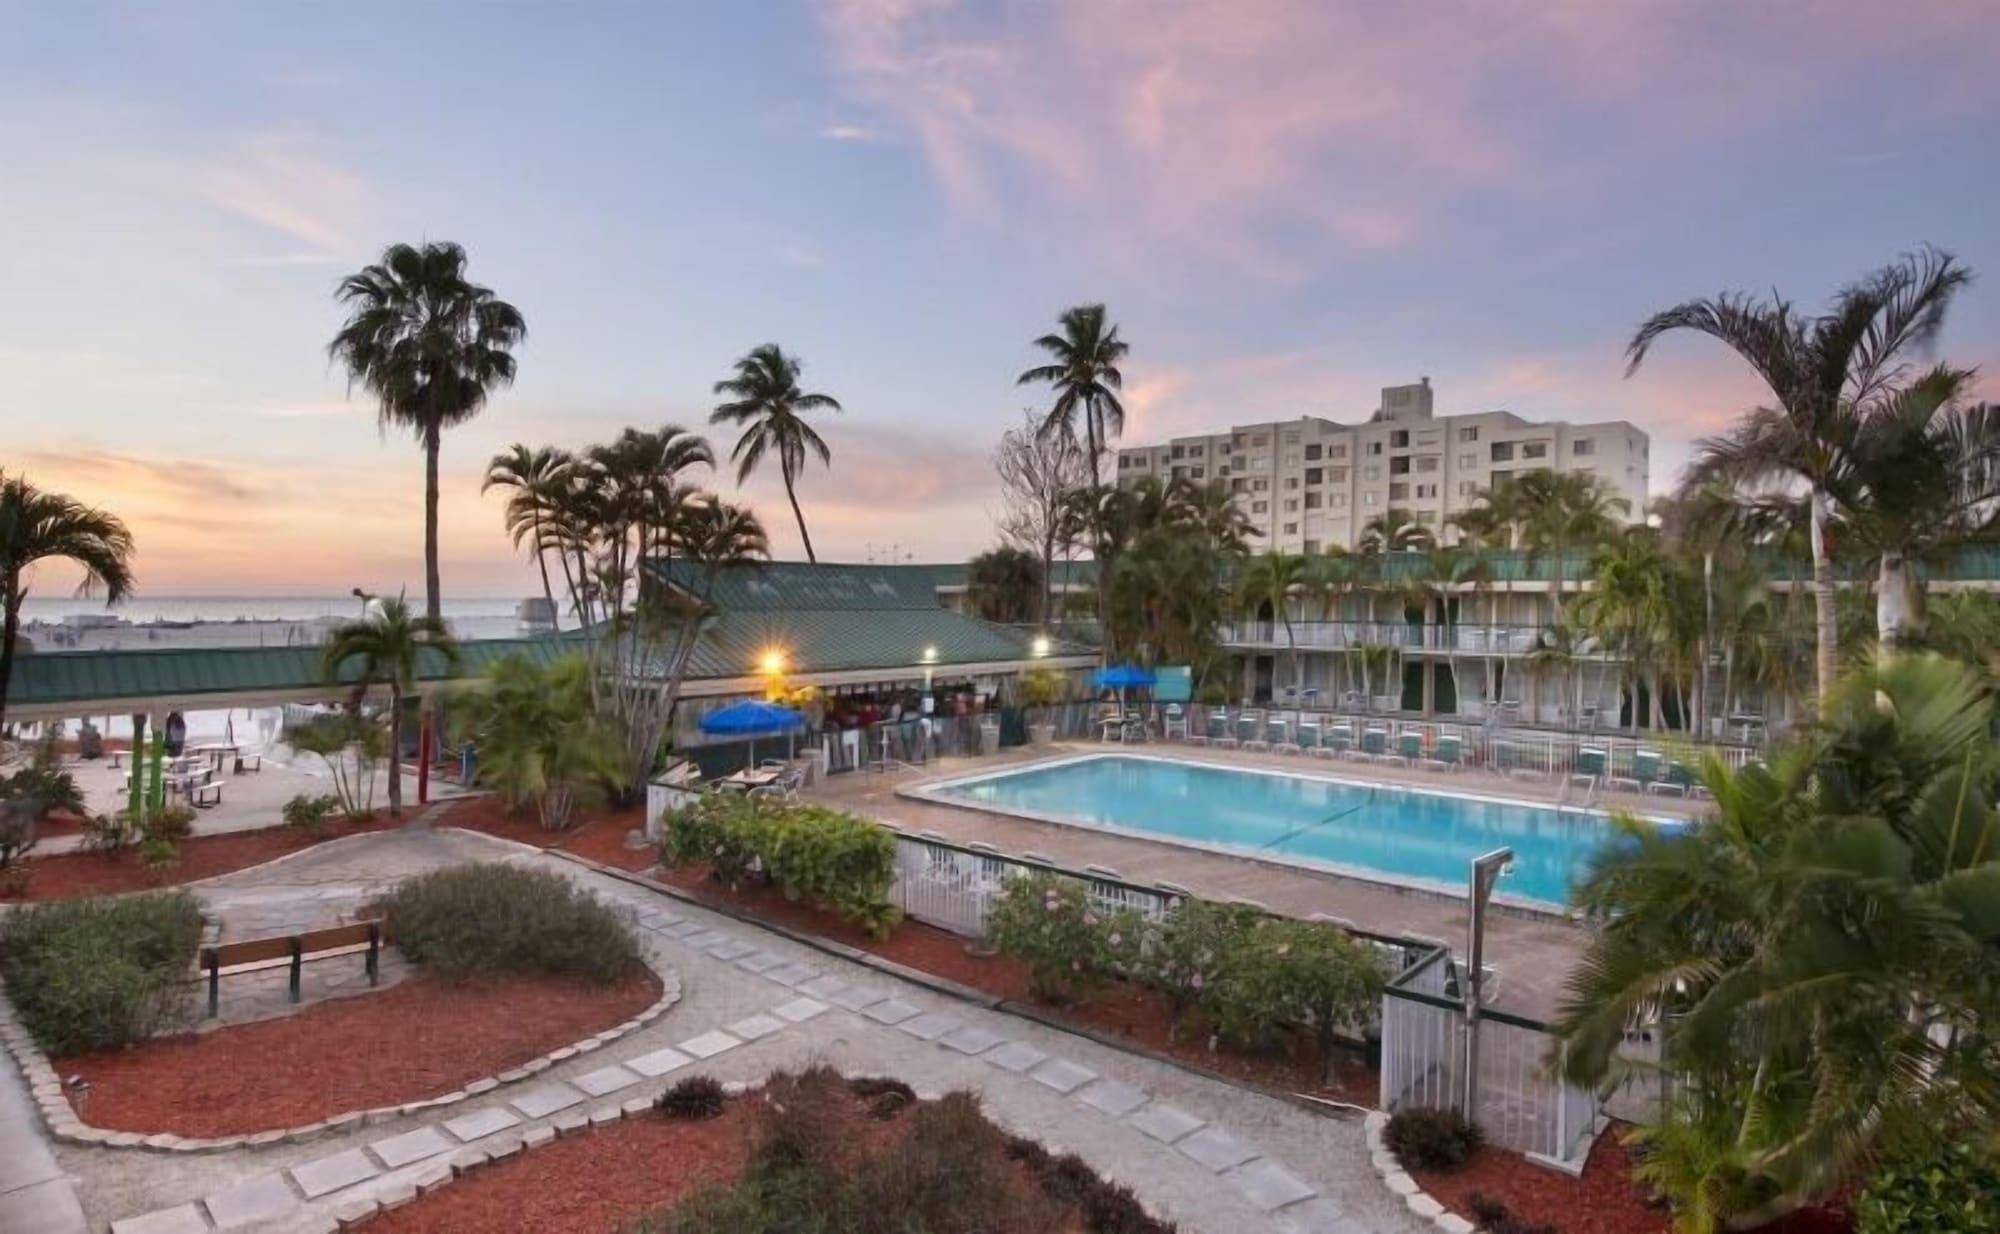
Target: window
x=1312, y=501
x=1259, y=485
x=1400, y=466
x=1260, y=439
x=1196, y=451
x=1339, y=475
x=1291, y=458
x=1372, y=471
x=1467, y=488
x=1315, y=475
x=1583, y=447
x=1312, y=547
x=1400, y=439
x=1199, y=473
x=1291, y=439
x=1468, y=434
x=1372, y=499
x=1503, y=451
x=1291, y=505
x=1339, y=451
x=1427, y=492
x=1534, y=449
x=1260, y=507
x=1291, y=529
x=1180, y=451
x=1180, y=473
x=1126, y=460
x=1374, y=448
x=1291, y=484
x=1340, y=501
x=1399, y=492
x=1466, y=462
x=1238, y=485
x=1427, y=462
x=1313, y=451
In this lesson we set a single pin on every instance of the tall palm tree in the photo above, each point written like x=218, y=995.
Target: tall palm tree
x=1083, y=370
x=384, y=648
x=764, y=396
x=1555, y=512
x=1271, y=578
x=430, y=345
x=1823, y=373
x=538, y=478
x=38, y=526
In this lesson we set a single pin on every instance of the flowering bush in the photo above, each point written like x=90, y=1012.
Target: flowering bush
x=1051, y=924
x=1284, y=973
x=1193, y=950
x=823, y=857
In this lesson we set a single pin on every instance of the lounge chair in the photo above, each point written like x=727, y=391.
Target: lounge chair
x=1278, y=735
x=1645, y=769
x=1337, y=741
x=1588, y=770
x=1679, y=780
x=1223, y=731
x=1409, y=748
x=1448, y=754
x=1374, y=745
x=1250, y=731
x=1306, y=735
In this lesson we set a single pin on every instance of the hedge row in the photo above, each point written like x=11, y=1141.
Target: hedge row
x=826, y=858
x=98, y=974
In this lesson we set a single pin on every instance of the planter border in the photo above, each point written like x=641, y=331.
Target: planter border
x=1403, y=1186
x=65, y=1125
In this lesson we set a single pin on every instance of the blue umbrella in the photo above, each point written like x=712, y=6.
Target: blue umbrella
x=1119, y=676
x=750, y=718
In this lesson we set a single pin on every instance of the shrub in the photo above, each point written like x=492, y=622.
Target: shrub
x=168, y=824
x=101, y=973
x=490, y=920
x=697, y=1097
x=1284, y=972
x=1948, y=1188
x=886, y=1098
x=107, y=833
x=310, y=814
x=827, y=858
x=1191, y=950
x=1495, y=1218
x=1050, y=924
x=540, y=739
x=1430, y=1139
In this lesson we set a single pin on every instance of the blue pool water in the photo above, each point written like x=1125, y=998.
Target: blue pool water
x=1406, y=835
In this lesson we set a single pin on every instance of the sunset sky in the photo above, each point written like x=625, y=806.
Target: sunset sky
x=1286, y=203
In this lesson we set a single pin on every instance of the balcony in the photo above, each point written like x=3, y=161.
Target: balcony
x=1463, y=638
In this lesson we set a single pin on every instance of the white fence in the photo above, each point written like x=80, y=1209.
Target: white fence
x=1521, y=1104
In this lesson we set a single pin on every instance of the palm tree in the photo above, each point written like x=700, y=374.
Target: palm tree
x=430, y=345
x=1818, y=951
x=384, y=648
x=764, y=396
x=538, y=478
x=1271, y=578
x=38, y=526
x=1555, y=512
x=1824, y=373
x=1084, y=373
x=1923, y=476
x=1003, y=584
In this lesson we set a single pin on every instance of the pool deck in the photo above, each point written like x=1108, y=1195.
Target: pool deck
x=1533, y=951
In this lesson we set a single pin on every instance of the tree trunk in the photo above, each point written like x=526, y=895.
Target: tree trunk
x=396, y=752
x=798, y=514
x=1827, y=634
x=432, y=589
x=1897, y=620
x=542, y=563
x=10, y=631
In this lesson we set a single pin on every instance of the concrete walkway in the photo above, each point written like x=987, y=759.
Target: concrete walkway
x=1213, y=1157
x=35, y=1195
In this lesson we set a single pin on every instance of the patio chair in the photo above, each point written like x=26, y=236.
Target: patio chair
x=1409, y=747
x=1588, y=769
x=1374, y=744
x=1223, y=729
x=1645, y=768
x=1336, y=741
x=1679, y=780
x=1448, y=754
x=1306, y=736
x=1175, y=723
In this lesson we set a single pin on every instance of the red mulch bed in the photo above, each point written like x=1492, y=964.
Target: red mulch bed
x=1604, y=1201
x=1135, y=1014
x=66, y=876
x=594, y=1182
x=418, y=1039
x=600, y=836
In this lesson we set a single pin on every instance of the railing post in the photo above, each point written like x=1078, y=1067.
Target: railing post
x=298, y=965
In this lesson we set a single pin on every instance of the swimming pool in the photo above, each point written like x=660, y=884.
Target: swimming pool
x=1385, y=832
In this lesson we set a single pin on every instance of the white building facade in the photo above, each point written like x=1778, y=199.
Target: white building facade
x=1311, y=484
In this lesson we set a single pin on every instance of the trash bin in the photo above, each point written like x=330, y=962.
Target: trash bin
x=989, y=737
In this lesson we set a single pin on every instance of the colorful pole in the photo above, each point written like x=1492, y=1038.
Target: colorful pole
x=424, y=758
x=135, y=800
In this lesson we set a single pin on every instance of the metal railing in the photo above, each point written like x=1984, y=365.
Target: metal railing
x=1451, y=638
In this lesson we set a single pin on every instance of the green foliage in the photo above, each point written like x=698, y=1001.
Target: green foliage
x=97, y=974
x=1044, y=687
x=1494, y=1217
x=1050, y=924
x=1194, y=949
x=352, y=746
x=1951, y=1188
x=1287, y=972
x=310, y=813
x=697, y=1097
x=826, y=858
x=490, y=920
x=1431, y=1139
x=43, y=784
x=168, y=824
x=539, y=737
x=1824, y=943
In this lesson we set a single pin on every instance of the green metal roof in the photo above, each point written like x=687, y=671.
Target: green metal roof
x=83, y=676
x=827, y=585
x=842, y=640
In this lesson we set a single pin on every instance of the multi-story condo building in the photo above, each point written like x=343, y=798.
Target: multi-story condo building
x=1311, y=484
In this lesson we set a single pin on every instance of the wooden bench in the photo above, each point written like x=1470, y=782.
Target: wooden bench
x=202, y=796
x=258, y=954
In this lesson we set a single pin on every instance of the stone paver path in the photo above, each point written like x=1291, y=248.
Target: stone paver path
x=1170, y=1135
